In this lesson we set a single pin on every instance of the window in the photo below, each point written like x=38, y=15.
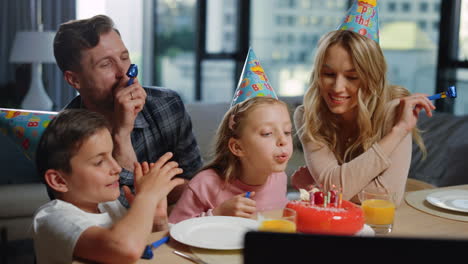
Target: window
x=463, y=34
x=406, y=7
x=130, y=27
x=461, y=103
x=392, y=6
x=289, y=68
x=422, y=24
x=423, y=7
x=410, y=46
x=175, y=45
x=291, y=21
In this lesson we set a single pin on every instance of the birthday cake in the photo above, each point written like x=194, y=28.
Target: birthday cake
x=326, y=213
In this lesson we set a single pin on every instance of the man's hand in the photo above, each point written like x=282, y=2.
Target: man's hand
x=128, y=102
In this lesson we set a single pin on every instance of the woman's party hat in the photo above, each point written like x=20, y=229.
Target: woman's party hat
x=25, y=128
x=253, y=81
x=363, y=18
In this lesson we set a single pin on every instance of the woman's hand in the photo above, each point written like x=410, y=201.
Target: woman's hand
x=239, y=205
x=301, y=178
x=409, y=108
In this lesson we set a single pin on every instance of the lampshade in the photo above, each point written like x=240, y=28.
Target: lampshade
x=33, y=46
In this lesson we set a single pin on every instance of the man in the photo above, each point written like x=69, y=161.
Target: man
x=146, y=121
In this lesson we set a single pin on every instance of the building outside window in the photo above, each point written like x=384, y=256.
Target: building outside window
x=461, y=103
x=284, y=37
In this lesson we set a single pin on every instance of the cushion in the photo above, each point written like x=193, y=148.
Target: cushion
x=445, y=138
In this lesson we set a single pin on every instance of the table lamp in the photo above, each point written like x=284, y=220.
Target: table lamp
x=36, y=48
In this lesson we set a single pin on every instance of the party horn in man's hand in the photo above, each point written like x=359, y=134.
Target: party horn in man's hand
x=132, y=73
x=450, y=93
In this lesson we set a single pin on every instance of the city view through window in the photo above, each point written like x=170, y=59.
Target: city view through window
x=284, y=35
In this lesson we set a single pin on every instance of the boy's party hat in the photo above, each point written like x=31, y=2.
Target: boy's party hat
x=25, y=128
x=253, y=81
x=363, y=18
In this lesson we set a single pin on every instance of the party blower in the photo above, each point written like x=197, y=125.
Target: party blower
x=450, y=93
x=132, y=73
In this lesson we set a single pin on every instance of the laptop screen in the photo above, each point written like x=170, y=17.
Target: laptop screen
x=265, y=247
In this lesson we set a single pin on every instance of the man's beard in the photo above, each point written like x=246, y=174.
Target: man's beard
x=106, y=104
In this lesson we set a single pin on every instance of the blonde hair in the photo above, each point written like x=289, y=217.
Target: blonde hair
x=375, y=117
x=226, y=164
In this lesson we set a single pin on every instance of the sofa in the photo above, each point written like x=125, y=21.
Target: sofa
x=21, y=193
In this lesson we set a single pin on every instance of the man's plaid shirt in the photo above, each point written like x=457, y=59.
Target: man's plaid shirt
x=162, y=126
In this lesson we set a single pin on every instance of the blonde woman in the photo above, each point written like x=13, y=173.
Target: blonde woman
x=253, y=146
x=355, y=129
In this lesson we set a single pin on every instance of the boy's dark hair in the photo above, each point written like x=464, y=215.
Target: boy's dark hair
x=63, y=138
x=74, y=36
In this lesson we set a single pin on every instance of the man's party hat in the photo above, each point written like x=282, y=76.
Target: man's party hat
x=253, y=81
x=25, y=128
x=363, y=18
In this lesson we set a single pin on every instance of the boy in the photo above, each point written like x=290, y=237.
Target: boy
x=86, y=221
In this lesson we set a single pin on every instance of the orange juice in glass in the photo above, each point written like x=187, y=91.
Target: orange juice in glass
x=281, y=220
x=379, y=210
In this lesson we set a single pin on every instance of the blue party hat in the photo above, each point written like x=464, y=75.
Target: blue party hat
x=253, y=81
x=363, y=18
x=25, y=127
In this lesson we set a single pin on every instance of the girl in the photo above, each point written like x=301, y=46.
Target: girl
x=356, y=129
x=253, y=146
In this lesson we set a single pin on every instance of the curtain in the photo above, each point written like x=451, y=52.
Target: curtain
x=54, y=13
x=20, y=15
x=14, y=16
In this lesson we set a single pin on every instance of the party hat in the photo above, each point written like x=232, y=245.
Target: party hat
x=253, y=81
x=25, y=127
x=363, y=18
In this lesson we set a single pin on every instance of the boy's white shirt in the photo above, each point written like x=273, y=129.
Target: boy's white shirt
x=57, y=225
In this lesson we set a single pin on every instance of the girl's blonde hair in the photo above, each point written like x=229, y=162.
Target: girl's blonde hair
x=226, y=164
x=375, y=117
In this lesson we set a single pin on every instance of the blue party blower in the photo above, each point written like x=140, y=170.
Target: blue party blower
x=148, y=252
x=132, y=73
x=450, y=93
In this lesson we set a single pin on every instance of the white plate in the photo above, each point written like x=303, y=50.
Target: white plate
x=456, y=200
x=213, y=232
x=366, y=231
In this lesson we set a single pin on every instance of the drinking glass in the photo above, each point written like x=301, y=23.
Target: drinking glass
x=379, y=209
x=279, y=220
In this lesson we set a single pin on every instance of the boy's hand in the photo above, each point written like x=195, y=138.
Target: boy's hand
x=160, y=216
x=239, y=205
x=158, y=181
x=155, y=179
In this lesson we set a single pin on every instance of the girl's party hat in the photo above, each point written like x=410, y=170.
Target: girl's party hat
x=253, y=81
x=363, y=18
x=25, y=128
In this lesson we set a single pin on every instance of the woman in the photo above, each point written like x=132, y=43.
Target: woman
x=356, y=129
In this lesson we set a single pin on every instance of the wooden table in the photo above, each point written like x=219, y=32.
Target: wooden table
x=415, y=223
x=409, y=222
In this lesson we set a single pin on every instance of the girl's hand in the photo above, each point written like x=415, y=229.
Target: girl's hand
x=409, y=108
x=237, y=206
